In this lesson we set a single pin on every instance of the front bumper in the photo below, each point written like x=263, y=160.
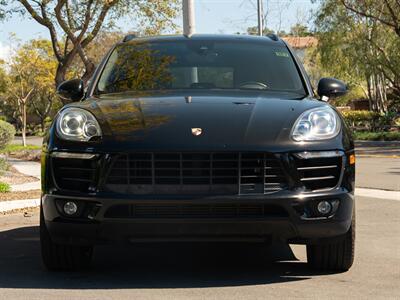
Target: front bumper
x=293, y=226
x=286, y=215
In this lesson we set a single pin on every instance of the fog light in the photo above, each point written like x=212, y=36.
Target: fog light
x=70, y=208
x=324, y=207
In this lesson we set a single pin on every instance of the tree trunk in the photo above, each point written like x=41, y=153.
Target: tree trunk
x=24, y=124
x=90, y=68
x=371, y=105
x=42, y=124
x=60, y=74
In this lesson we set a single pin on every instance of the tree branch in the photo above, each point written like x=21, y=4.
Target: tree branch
x=100, y=20
x=369, y=15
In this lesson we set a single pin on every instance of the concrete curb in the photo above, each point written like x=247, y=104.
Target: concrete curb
x=377, y=156
x=29, y=186
x=7, y=206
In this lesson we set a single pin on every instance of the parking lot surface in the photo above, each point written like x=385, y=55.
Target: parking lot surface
x=205, y=271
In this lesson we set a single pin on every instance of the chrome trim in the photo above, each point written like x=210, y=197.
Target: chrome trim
x=318, y=154
x=73, y=155
x=339, y=181
x=317, y=168
x=317, y=178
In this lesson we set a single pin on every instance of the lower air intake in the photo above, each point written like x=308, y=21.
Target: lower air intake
x=194, y=211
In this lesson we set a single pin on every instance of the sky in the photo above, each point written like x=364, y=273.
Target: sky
x=212, y=16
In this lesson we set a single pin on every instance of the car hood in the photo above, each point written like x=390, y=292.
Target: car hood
x=226, y=121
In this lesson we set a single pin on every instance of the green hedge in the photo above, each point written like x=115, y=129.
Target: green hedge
x=377, y=136
x=7, y=133
x=370, y=120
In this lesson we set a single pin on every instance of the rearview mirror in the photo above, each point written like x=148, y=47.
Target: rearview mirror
x=331, y=88
x=71, y=90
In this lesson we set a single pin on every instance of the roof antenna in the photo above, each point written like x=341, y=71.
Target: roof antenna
x=189, y=27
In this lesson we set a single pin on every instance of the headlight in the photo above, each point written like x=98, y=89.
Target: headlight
x=77, y=124
x=320, y=123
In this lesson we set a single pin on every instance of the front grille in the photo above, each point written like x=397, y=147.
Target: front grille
x=319, y=173
x=176, y=211
x=215, y=173
x=74, y=174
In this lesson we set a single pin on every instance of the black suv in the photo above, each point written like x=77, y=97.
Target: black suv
x=198, y=138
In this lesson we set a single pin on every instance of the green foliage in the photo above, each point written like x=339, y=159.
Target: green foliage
x=355, y=92
x=11, y=148
x=3, y=77
x=377, y=136
x=7, y=133
x=30, y=83
x=4, y=166
x=254, y=30
x=359, y=50
x=370, y=120
x=356, y=117
x=47, y=123
x=299, y=30
x=4, y=187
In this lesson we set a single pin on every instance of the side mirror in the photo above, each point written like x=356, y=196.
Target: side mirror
x=71, y=90
x=331, y=88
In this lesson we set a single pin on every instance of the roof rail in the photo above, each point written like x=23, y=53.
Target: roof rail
x=273, y=36
x=129, y=37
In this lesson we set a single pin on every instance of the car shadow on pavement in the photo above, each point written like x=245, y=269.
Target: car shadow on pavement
x=184, y=265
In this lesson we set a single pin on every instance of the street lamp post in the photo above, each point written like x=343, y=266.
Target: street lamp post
x=260, y=17
x=188, y=17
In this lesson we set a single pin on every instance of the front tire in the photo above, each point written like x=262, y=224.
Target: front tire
x=58, y=257
x=335, y=255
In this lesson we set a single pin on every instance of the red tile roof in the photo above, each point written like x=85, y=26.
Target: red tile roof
x=298, y=42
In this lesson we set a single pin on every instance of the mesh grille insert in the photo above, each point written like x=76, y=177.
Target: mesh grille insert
x=232, y=173
x=74, y=174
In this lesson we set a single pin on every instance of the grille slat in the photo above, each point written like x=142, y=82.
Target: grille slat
x=317, y=178
x=317, y=168
x=74, y=174
x=237, y=173
x=319, y=173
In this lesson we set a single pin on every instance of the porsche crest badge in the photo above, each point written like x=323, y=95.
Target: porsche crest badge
x=197, y=131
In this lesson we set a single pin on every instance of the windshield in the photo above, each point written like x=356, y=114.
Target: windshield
x=194, y=64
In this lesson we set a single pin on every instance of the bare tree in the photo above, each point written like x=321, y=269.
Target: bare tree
x=81, y=21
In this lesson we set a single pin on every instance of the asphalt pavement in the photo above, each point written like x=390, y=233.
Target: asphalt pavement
x=378, y=173
x=206, y=271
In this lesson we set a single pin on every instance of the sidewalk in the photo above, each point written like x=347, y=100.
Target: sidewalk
x=30, y=168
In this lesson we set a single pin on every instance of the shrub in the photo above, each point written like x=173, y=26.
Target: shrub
x=3, y=166
x=7, y=133
x=4, y=187
x=377, y=136
x=361, y=118
x=370, y=120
